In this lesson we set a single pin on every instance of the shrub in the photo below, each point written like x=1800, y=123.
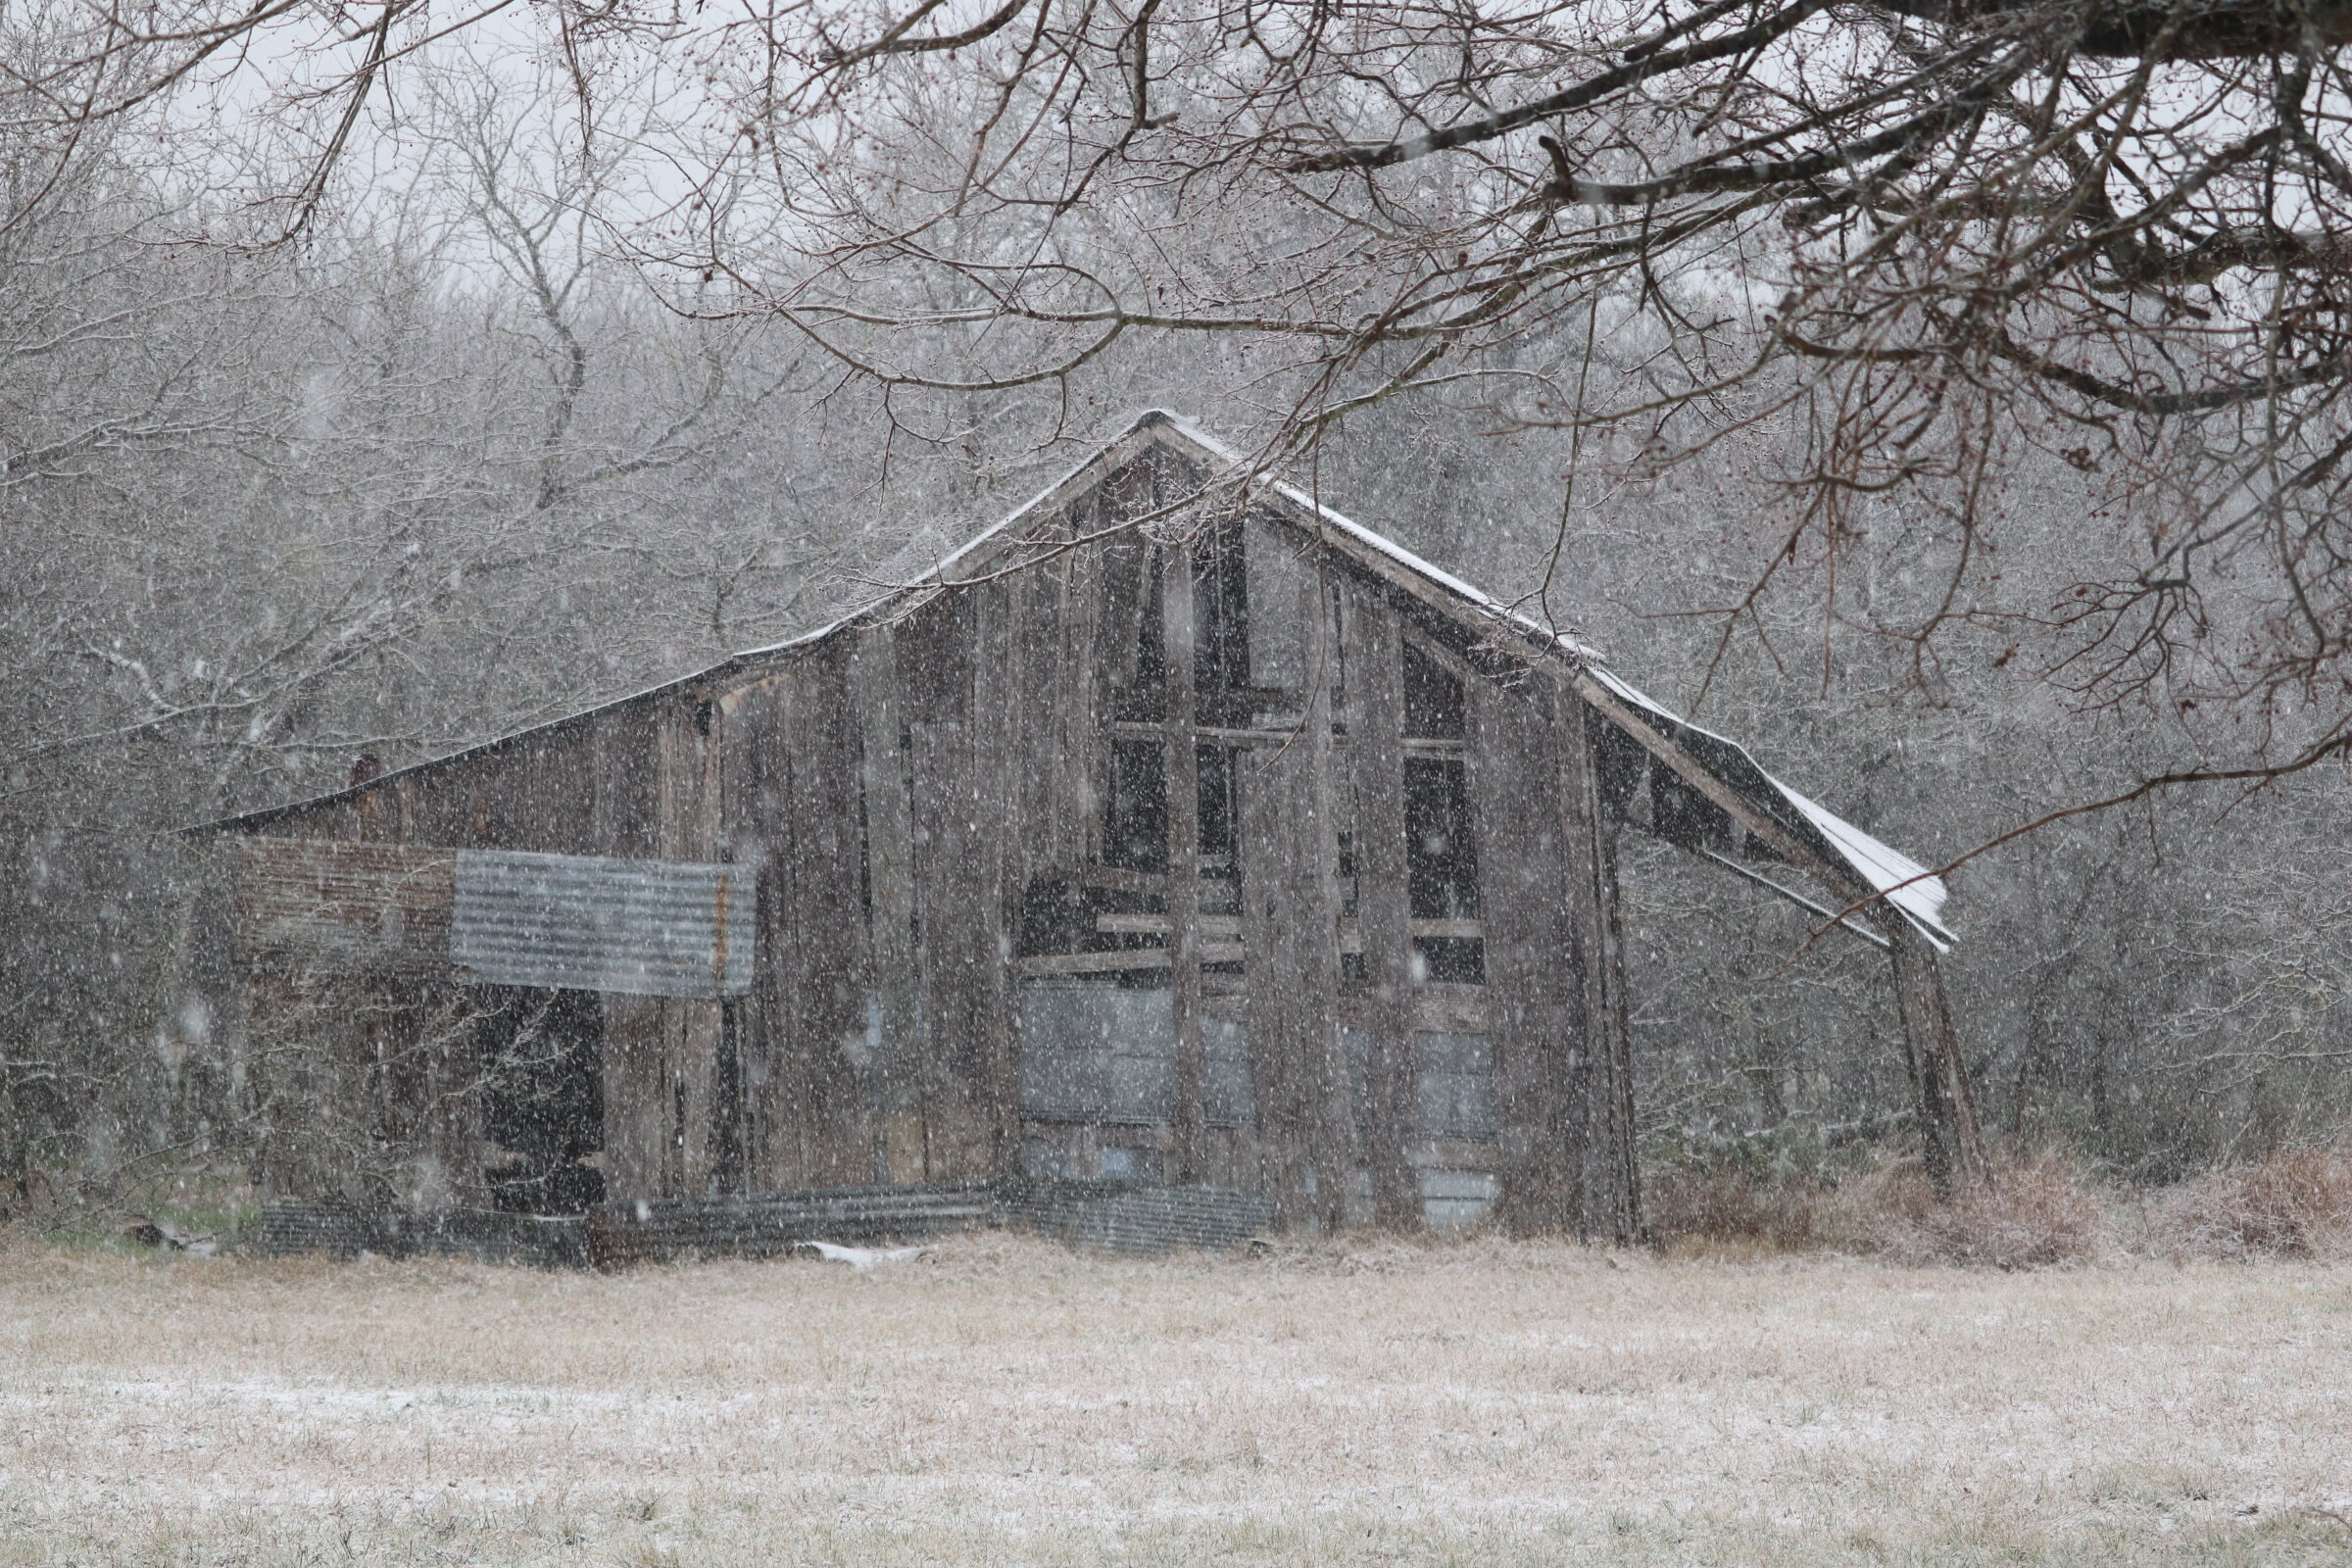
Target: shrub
x=2031, y=1211
x=1781, y=1213
x=2296, y=1202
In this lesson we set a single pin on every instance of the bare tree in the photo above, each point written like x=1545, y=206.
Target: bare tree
x=1915, y=237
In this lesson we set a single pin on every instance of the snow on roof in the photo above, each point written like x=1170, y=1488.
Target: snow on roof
x=1419, y=566
x=1908, y=885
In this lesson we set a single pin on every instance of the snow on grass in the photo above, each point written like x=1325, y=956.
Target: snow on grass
x=1010, y=1403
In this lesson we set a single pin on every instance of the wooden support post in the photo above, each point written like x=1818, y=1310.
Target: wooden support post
x=1182, y=764
x=1609, y=1178
x=1330, y=1116
x=890, y=883
x=1374, y=660
x=687, y=824
x=1951, y=1141
x=1555, y=967
x=1946, y=1109
x=1006, y=708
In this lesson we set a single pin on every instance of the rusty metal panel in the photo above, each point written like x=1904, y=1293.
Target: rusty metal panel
x=641, y=928
x=340, y=908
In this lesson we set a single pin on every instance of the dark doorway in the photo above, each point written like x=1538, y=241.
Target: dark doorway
x=543, y=1102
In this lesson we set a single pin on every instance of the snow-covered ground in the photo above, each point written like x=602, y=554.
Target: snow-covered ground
x=1007, y=1401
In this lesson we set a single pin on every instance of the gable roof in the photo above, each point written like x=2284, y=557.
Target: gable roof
x=1870, y=864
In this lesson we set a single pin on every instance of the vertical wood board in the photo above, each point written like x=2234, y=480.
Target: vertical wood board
x=1384, y=896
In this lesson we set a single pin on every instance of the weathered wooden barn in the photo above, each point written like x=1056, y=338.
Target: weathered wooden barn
x=1176, y=831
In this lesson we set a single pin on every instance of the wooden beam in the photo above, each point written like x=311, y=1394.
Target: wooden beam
x=1374, y=662
x=1330, y=1113
x=688, y=782
x=1182, y=762
x=1123, y=960
x=1289, y=909
x=1952, y=1144
x=889, y=884
x=1228, y=735
x=1767, y=829
x=1228, y=925
x=1006, y=831
x=1609, y=1180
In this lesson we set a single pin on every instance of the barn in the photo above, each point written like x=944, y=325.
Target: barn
x=1177, y=835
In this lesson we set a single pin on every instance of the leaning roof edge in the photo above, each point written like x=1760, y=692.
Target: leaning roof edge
x=745, y=659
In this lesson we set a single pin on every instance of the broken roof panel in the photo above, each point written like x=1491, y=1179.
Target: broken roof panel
x=1908, y=885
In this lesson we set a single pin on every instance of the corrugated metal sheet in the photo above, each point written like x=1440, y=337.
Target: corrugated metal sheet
x=339, y=907
x=776, y=1224
x=644, y=928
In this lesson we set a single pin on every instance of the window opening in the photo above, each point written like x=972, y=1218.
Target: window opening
x=1442, y=866
x=1135, y=834
x=1220, y=610
x=1220, y=629
x=1434, y=705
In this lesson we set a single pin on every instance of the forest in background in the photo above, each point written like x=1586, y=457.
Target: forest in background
x=449, y=463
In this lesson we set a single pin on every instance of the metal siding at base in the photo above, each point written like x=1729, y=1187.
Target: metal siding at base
x=644, y=928
x=1456, y=1199
x=1107, y=1054
x=1455, y=1086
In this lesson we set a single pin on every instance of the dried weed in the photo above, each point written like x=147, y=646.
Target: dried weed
x=2296, y=1202
x=2033, y=1211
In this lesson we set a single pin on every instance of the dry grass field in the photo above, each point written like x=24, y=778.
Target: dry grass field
x=1011, y=1402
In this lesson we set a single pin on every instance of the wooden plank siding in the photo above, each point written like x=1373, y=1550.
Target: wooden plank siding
x=793, y=805
x=958, y=817
x=1289, y=937
x=1008, y=725
x=623, y=812
x=390, y=1061
x=1539, y=1006
x=688, y=806
x=1555, y=1018
x=887, y=816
